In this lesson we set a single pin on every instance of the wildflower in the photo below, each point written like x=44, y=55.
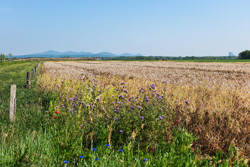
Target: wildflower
x=187, y=102
x=81, y=156
x=118, y=102
x=98, y=99
x=81, y=126
x=159, y=97
x=107, y=145
x=163, y=106
x=66, y=162
x=153, y=86
x=94, y=149
x=84, y=122
x=46, y=112
x=120, y=97
x=154, y=104
x=96, y=159
x=57, y=112
x=122, y=83
x=146, y=99
x=145, y=159
x=55, y=117
x=126, y=91
x=132, y=107
x=165, y=82
x=117, y=109
x=154, y=90
x=121, y=150
x=121, y=131
x=116, y=119
x=123, y=86
x=134, y=158
x=160, y=117
x=142, y=118
x=71, y=99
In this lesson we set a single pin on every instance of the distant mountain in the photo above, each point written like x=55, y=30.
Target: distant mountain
x=55, y=54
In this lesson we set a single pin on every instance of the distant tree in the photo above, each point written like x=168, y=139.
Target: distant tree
x=10, y=55
x=244, y=55
x=2, y=57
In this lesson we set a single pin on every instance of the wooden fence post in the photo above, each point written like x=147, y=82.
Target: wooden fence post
x=34, y=73
x=12, y=109
x=28, y=80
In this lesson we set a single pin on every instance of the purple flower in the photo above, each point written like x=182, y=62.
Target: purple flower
x=118, y=102
x=123, y=86
x=81, y=126
x=163, y=106
x=154, y=104
x=134, y=158
x=126, y=91
x=160, y=117
x=132, y=107
x=120, y=97
x=145, y=159
x=84, y=122
x=71, y=99
x=165, y=82
x=98, y=99
x=116, y=119
x=187, y=102
x=117, y=109
x=121, y=131
x=159, y=97
x=142, y=118
x=153, y=86
x=122, y=83
x=146, y=99
x=76, y=98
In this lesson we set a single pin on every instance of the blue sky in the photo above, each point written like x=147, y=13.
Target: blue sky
x=149, y=27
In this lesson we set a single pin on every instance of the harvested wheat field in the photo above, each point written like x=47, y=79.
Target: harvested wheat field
x=209, y=100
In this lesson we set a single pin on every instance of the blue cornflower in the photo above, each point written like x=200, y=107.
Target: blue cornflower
x=94, y=149
x=145, y=159
x=81, y=156
x=107, y=145
x=66, y=162
x=96, y=159
x=121, y=150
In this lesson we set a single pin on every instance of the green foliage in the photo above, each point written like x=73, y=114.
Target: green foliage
x=244, y=55
x=3, y=58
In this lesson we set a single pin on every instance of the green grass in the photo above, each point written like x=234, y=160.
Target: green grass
x=36, y=139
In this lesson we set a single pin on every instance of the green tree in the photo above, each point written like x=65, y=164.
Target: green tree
x=244, y=55
x=2, y=57
x=10, y=55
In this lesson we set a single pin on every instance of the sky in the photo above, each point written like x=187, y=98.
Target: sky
x=148, y=27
